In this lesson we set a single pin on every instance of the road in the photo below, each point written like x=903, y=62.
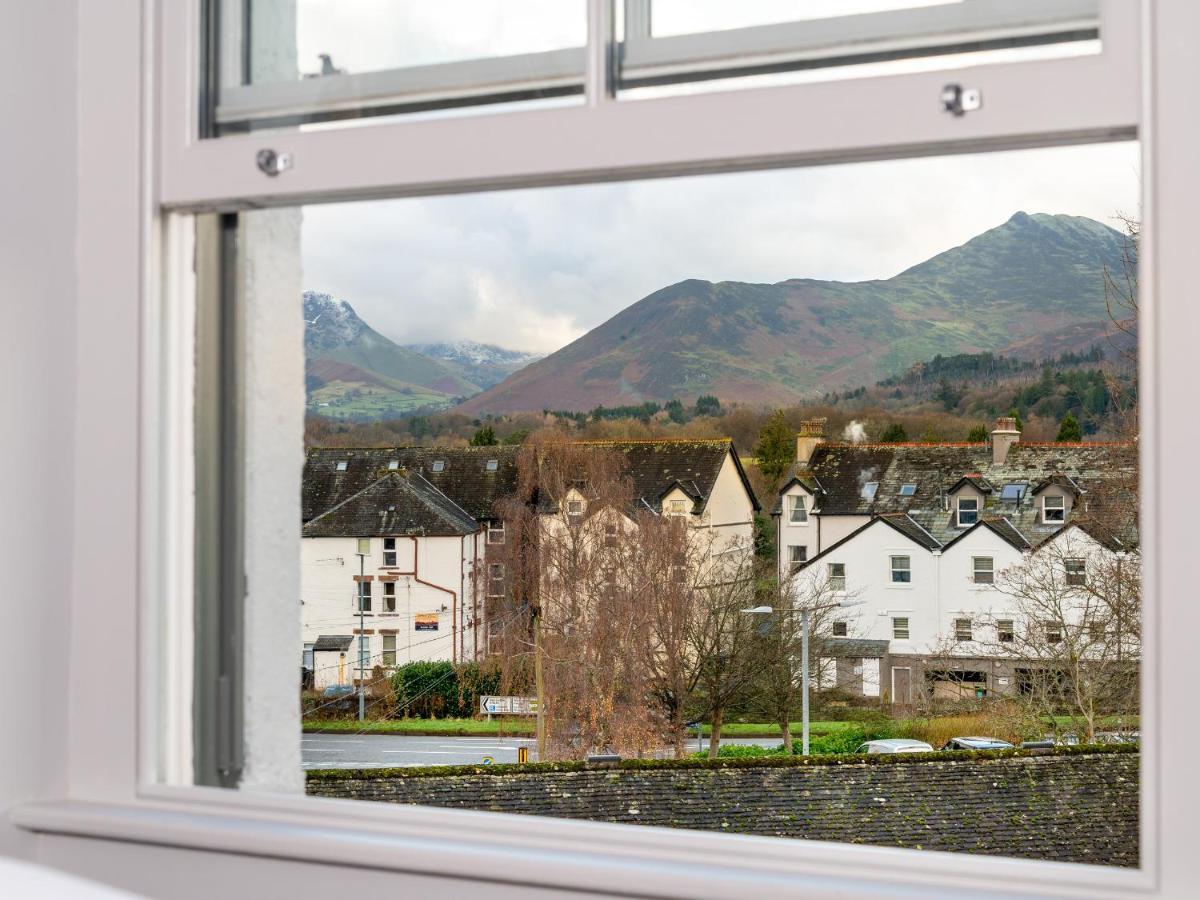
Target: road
x=362, y=751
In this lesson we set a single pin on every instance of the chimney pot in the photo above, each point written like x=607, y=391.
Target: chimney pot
x=810, y=436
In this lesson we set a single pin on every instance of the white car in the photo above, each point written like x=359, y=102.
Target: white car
x=895, y=745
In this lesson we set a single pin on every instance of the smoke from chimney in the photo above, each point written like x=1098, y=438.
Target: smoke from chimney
x=854, y=433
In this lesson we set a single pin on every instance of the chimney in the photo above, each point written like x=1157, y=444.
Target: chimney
x=1004, y=435
x=810, y=436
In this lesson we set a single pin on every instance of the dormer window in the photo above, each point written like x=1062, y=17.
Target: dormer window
x=677, y=507
x=1054, y=509
x=574, y=508
x=393, y=465
x=439, y=465
x=797, y=511
x=341, y=465
x=968, y=511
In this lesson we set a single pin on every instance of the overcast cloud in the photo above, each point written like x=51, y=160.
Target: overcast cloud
x=534, y=269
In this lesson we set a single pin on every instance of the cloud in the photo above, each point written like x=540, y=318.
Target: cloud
x=534, y=269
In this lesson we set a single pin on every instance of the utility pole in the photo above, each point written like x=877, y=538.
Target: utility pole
x=362, y=636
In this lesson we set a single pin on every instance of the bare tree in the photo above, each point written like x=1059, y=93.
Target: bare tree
x=1072, y=626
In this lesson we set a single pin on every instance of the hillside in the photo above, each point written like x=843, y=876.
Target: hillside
x=1031, y=287
x=352, y=371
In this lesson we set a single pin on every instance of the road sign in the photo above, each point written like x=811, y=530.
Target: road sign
x=508, y=706
x=488, y=760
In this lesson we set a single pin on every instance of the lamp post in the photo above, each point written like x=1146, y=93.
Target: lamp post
x=804, y=673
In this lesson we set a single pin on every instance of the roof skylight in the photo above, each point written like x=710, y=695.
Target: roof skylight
x=393, y=464
x=869, y=490
x=439, y=465
x=1014, y=491
x=493, y=465
x=341, y=465
x=907, y=490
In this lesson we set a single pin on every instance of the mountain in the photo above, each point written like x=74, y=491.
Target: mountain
x=483, y=364
x=1031, y=287
x=352, y=371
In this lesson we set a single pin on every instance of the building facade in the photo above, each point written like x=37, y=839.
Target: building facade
x=922, y=543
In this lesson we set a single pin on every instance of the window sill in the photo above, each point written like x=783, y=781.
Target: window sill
x=563, y=854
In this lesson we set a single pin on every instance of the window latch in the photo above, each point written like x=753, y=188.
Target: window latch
x=959, y=101
x=272, y=163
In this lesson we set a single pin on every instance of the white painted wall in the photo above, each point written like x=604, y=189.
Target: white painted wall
x=729, y=515
x=328, y=590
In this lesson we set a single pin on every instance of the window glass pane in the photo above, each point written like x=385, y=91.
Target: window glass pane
x=552, y=383
x=291, y=62
x=786, y=41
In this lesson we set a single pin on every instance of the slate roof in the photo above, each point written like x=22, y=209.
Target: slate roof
x=338, y=642
x=841, y=470
x=853, y=648
x=464, y=477
x=399, y=503
x=654, y=467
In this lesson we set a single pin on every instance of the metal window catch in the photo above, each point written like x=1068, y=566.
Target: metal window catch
x=272, y=163
x=959, y=100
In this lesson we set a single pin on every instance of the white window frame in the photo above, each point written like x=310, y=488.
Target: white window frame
x=989, y=571
x=1060, y=511
x=495, y=534
x=893, y=570
x=168, y=169
x=390, y=552
x=958, y=511
x=384, y=652
x=792, y=561
x=1006, y=627
x=897, y=628
x=797, y=504
x=961, y=629
x=837, y=583
x=389, y=597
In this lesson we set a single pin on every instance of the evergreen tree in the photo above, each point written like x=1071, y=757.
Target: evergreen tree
x=675, y=412
x=978, y=434
x=1013, y=414
x=708, y=405
x=1068, y=429
x=775, y=447
x=893, y=434
x=484, y=437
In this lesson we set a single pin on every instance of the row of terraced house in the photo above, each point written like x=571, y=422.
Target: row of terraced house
x=403, y=548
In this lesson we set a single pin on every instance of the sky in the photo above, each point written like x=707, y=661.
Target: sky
x=534, y=269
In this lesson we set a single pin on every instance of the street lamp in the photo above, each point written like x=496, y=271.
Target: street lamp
x=804, y=617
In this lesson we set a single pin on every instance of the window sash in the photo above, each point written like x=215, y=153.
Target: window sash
x=901, y=568
x=1054, y=509
x=968, y=511
x=983, y=569
x=1004, y=631
x=798, y=510
x=836, y=574
x=962, y=630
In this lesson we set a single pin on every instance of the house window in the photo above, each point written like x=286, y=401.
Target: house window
x=496, y=579
x=1004, y=631
x=341, y=465
x=962, y=630
x=901, y=570
x=364, y=652
x=389, y=596
x=837, y=577
x=307, y=661
x=393, y=465
x=496, y=571
x=610, y=535
x=364, y=596
x=900, y=628
x=439, y=465
x=1076, y=571
x=982, y=567
x=575, y=508
x=1053, y=509
x=968, y=511
x=797, y=511
x=495, y=534
x=678, y=507
x=364, y=547
x=493, y=465
x=1097, y=632
x=389, y=551
x=1053, y=632
x=840, y=629
x=908, y=490
x=797, y=555
x=389, y=650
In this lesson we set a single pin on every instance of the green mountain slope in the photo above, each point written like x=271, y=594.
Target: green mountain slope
x=1032, y=286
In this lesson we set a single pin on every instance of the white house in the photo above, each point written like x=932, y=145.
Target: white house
x=402, y=547
x=915, y=535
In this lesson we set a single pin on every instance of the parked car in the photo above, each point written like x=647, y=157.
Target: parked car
x=977, y=743
x=894, y=745
x=338, y=690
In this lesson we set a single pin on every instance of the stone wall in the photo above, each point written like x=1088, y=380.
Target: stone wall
x=1067, y=805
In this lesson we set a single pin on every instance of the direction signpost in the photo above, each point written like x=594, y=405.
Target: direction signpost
x=508, y=706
